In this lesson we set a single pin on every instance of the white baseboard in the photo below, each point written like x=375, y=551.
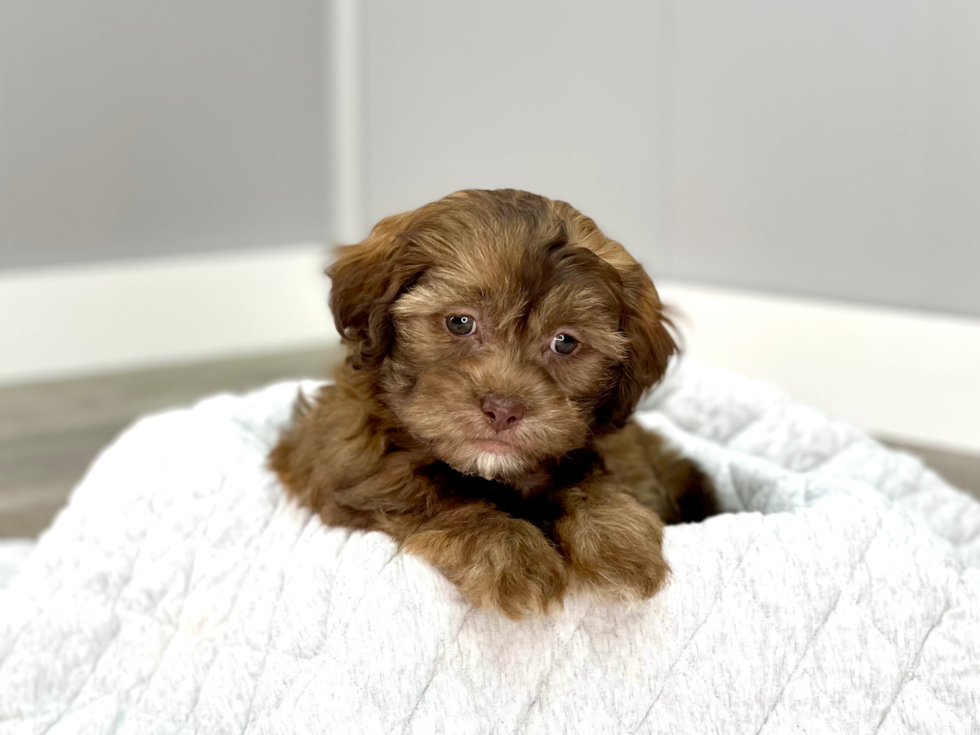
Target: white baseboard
x=69, y=321
x=909, y=375
x=906, y=375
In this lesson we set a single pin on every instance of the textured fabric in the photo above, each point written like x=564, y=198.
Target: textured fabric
x=13, y=552
x=180, y=592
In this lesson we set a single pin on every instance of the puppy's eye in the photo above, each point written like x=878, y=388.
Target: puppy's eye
x=461, y=326
x=564, y=344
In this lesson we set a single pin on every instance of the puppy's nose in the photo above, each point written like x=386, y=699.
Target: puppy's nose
x=502, y=412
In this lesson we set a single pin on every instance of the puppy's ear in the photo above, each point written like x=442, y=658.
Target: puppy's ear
x=366, y=279
x=650, y=345
x=649, y=349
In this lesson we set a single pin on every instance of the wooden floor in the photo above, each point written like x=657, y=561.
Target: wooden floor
x=50, y=432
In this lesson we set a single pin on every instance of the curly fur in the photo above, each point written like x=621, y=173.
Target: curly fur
x=573, y=493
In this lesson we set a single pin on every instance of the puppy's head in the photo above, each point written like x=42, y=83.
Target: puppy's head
x=503, y=329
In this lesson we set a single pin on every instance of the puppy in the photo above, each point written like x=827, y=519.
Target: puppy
x=497, y=344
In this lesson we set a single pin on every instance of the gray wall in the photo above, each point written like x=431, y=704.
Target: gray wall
x=828, y=147
x=821, y=147
x=130, y=129
x=560, y=98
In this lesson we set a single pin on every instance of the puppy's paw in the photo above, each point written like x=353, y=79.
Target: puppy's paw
x=518, y=580
x=615, y=546
x=498, y=563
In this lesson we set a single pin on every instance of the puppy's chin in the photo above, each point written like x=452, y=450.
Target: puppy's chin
x=489, y=461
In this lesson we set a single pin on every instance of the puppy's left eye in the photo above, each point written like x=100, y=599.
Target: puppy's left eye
x=461, y=325
x=564, y=344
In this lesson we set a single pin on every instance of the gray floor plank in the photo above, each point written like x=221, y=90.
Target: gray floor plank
x=35, y=410
x=51, y=432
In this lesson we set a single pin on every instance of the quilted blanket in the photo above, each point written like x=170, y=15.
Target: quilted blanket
x=181, y=592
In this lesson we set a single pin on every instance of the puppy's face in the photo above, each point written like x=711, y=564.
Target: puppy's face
x=504, y=329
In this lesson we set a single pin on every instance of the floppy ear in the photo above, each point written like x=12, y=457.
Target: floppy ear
x=649, y=348
x=643, y=322
x=366, y=279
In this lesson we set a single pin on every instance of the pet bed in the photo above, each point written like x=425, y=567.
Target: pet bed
x=180, y=592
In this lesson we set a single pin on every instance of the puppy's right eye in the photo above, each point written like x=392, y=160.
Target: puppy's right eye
x=461, y=326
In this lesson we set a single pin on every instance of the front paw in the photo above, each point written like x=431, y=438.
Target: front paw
x=615, y=546
x=497, y=562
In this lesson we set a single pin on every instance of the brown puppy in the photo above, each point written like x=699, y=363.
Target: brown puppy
x=498, y=343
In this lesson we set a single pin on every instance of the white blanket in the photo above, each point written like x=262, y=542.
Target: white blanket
x=181, y=592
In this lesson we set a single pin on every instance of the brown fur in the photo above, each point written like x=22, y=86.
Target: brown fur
x=573, y=494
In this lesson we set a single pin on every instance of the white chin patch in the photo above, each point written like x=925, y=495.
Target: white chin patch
x=491, y=466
